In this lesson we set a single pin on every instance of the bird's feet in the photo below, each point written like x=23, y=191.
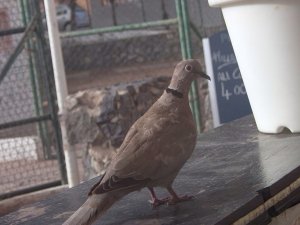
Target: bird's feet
x=174, y=200
x=155, y=202
x=170, y=200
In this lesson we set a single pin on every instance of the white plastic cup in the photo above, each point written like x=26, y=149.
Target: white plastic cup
x=265, y=35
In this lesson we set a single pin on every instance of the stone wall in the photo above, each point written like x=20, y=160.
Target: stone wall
x=98, y=119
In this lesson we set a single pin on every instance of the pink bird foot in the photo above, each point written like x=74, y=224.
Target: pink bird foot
x=174, y=199
x=156, y=202
x=178, y=199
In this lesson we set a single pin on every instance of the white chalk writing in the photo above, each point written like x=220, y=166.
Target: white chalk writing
x=225, y=74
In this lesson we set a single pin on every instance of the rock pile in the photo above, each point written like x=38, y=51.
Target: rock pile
x=98, y=119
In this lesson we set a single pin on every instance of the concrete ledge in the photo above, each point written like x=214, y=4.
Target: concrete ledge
x=12, y=204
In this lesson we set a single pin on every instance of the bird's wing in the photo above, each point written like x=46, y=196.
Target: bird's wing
x=152, y=152
x=153, y=148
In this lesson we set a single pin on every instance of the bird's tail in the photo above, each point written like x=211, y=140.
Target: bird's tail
x=94, y=207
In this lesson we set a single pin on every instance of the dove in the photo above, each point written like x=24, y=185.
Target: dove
x=153, y=151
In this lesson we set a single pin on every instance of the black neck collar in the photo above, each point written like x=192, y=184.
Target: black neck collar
x=174, y=92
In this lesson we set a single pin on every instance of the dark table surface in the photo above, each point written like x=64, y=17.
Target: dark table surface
x=227, y=169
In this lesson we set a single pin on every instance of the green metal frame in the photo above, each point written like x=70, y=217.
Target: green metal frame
x=27, y=12
x=32, y=39
x=50, y=92
x=183, y=23
x=186, y=51
x=134, y=26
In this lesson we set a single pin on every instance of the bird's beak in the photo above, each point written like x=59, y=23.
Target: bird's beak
x=205, y=76
x=201, y=74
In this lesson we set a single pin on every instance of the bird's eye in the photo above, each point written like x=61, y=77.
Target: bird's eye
x=188, y=68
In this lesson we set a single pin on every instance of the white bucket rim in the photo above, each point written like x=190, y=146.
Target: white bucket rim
x=224, y=3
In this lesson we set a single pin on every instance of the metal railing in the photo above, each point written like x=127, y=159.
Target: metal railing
x=31, y=153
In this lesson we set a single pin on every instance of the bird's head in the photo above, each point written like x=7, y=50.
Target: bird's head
x=185, y=72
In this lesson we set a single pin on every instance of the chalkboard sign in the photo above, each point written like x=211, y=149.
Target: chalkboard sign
x=228, y=96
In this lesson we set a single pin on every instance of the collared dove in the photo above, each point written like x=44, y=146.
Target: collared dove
x=153, y=151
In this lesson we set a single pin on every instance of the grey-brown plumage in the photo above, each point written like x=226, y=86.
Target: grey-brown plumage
x=154, y=150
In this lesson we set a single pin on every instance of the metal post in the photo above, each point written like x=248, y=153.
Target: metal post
x=113, y=12
x=186, y=54
x=186, y=51
x=180, y=29
x=134, y=26
x=182, y=39
x=143, y=10
x=194, y=89
x=38, y=59
x=61, y=88
x=51, y=97
x=27, y=14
